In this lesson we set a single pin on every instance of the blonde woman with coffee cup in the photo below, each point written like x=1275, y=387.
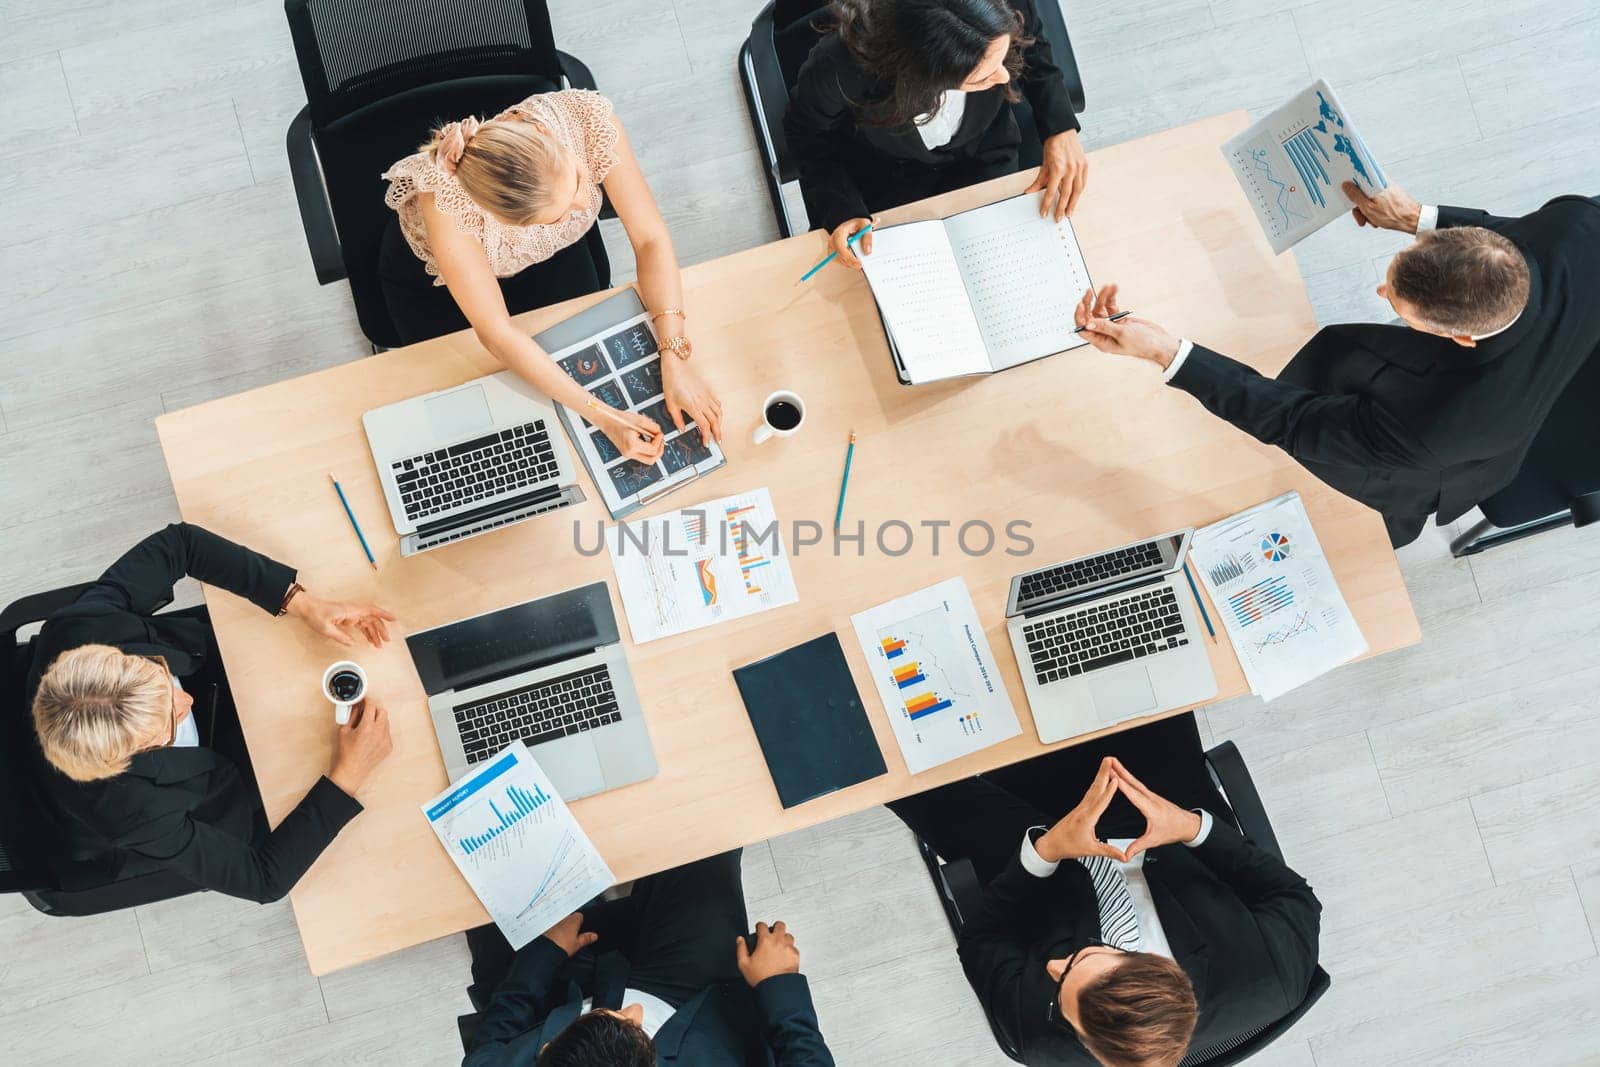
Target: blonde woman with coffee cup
x=143, y=776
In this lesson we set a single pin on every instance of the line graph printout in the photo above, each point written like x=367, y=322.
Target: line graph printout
x=700, y=565
x=936, y=676
x=1291, y=163
x=1276, y=594
x=517, y=845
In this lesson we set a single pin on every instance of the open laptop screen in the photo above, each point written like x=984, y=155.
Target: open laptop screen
x=520, y=638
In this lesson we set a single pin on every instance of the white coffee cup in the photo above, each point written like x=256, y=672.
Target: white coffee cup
x=345, y=693
x=782, y=414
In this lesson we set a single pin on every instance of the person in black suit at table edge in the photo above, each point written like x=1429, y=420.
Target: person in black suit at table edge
x=903, y=99
x=1433, y=417
x=662, y=976
x=1118, y=936
x=131, y=782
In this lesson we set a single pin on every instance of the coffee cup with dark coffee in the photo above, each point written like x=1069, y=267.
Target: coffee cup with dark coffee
x=782, y=414
x=344, y=683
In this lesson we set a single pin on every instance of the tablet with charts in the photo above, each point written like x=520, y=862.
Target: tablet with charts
x=620, y=366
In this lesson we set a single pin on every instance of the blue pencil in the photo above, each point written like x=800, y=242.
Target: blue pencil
x=844, y=483
x=354, y=525
x=1198, y=603
x=831, y=256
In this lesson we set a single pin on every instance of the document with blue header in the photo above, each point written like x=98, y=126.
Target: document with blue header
x=518, y=846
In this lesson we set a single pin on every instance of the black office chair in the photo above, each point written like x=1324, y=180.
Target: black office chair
x=377, y=79
x=28, y=863
x=1559, y=483
x=769, y=63
x=960, y=893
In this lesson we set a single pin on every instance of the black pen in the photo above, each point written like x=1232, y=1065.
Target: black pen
x=1114, y=318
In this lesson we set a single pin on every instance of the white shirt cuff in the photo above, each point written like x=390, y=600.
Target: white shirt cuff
x=1032, y=862
x=1205, y=829
x=1427, y=218
x=1185, y=346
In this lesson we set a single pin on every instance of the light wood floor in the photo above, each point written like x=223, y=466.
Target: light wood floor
x=1441, y=799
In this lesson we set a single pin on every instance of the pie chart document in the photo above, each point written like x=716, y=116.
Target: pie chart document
x=1272, y=586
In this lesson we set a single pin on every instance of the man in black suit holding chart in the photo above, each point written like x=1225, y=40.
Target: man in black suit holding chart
x=1434, y=416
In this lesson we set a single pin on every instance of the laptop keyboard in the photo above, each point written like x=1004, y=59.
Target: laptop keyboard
x=541, y=712
x=475, y=470
x=1105, y=634
x=1090, y=571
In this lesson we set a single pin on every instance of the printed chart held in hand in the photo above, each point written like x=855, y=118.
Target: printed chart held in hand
x=1279, y=603
x=517, y=845
x=936, y=676
x=1292, y=163
x=723, y=559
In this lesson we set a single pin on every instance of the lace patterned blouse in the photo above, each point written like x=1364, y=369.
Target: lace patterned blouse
x=578, y=118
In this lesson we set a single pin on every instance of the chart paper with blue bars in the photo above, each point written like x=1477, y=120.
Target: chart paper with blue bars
x=1292, y=163
x=518, y=802
x=518, y=846
x=1276, y=595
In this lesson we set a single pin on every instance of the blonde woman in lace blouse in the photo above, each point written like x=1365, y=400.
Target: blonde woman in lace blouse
x=486, y=202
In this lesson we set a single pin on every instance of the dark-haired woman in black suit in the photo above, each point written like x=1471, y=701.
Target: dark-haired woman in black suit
x=903, y=99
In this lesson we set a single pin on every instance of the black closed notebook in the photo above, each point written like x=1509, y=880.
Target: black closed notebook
x=810, y=721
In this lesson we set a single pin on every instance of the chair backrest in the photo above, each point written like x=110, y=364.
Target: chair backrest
x=24, y=863
x=353, y=53
x=1562, y=467
x=379, y=77
x=794, y=32
x=1243, y=1046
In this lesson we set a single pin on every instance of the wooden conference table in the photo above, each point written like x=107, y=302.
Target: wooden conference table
x=1091, y=449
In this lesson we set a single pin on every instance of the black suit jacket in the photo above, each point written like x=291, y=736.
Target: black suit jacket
x=1241, y=924
x=183, y=809
x=1409, y=423
x=830, y=144
x=725, y=1025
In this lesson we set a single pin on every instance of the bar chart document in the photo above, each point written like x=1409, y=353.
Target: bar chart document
x=1292, y=162
x=1270, y=582
x=701, y=565
x=936, y=676
x=517, y=845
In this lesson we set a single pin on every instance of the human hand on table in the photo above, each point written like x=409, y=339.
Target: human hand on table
x=1130, y=336
x=839, y=242
x=339, y=621
x=622, y=429
x=690, y=399
x=1063, y=175
x=568, y=934
x=364, y=742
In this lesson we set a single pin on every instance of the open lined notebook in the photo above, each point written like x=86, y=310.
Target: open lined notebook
x=977, y=292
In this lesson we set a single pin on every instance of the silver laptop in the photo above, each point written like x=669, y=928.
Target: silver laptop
x=464, y=461
x=1108, y=637
x=550, y=673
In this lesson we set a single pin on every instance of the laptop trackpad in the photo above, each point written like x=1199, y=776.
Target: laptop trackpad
x=572, y=765
x=1123, y=692
x=460, y=413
